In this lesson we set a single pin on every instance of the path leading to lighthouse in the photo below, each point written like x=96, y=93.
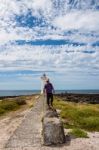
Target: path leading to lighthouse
x=27, y=136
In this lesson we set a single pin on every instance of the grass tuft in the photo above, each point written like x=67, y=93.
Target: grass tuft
x=78, y=133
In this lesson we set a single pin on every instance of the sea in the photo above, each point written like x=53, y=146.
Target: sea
x=31, y=92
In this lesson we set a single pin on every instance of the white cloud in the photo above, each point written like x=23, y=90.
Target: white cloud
x=79, y=20
x=50, y=58
x=83, y=21
x=64, y=59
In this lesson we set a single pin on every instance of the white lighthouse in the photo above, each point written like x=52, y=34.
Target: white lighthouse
x=44, y=78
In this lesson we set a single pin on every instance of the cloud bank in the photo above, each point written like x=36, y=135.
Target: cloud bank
x=57, y=37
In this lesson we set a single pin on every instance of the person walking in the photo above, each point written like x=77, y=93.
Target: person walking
x=48, y=91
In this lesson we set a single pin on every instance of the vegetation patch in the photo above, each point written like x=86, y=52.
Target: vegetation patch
x=8, y=105
x=11, y=104
x=77, y=115
x=21, y=100
x=78, y=133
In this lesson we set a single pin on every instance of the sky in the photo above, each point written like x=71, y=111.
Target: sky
x=56, y=37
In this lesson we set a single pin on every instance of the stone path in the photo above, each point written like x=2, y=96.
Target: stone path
x=28, y=134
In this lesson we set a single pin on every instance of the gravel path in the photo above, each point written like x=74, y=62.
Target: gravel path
x=28, y=135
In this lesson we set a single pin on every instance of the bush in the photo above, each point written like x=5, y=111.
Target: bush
x=21, y=101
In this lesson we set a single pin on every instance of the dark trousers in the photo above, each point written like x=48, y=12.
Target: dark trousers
x=49, y=99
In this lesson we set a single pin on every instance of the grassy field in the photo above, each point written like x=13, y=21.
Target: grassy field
x=78, y=117
x=13, y=104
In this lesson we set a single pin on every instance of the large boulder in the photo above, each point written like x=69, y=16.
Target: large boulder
x=53, y=131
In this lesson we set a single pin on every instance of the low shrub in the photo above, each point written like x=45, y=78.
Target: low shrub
x=21, y=101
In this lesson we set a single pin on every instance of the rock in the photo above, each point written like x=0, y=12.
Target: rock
x=53, y=132
x=51, y=113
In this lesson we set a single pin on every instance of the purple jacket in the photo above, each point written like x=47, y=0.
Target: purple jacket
x=48, y=88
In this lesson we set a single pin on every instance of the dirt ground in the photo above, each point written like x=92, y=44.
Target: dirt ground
x=91, y=143
x=9, y=124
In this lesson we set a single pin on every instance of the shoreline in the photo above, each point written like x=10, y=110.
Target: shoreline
x=15, y=93
x=56, y=93
x=4, y=97
x=70, y=97
x=82, y=98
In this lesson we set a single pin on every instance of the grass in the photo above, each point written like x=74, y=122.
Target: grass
x=13, y=104
x=78, y=133
x=8, y=105
x=76, y=115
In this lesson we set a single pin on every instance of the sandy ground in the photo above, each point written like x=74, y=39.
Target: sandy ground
x=9, y=124
x=91, y=143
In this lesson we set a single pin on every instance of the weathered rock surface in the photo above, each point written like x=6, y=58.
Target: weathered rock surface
x=51, y=113
x=53, y=131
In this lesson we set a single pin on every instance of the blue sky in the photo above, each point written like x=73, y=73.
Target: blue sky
x=59, y=38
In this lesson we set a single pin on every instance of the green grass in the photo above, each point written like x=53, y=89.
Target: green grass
x=78, y=133
x=85, y=116
x=2, y=111
x=10, y=105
